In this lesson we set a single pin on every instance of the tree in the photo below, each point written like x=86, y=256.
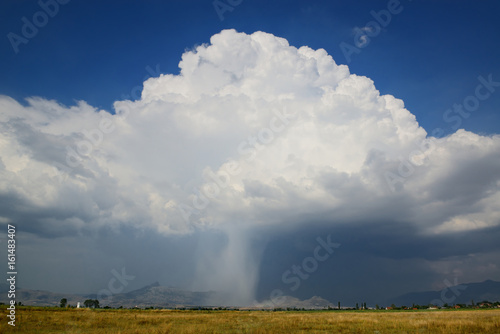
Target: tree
x=63, y=302
x=93, y=303
x=338, y=305
x=357, y=306
x=377, y=307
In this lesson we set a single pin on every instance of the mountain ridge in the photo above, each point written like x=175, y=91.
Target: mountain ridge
x=453, y=294
x=155, y=295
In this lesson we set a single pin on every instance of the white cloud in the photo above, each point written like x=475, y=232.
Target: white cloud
x=227, y=111
x=229, y=92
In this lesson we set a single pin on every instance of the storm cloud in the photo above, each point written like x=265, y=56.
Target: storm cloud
x=250, y=153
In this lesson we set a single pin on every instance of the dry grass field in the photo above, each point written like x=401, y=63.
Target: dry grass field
x=54, y=320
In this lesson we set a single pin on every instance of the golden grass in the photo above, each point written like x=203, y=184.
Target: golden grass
x=54, y=320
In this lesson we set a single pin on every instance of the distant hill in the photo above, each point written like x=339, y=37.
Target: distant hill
x=314, y=303
x=151, y=295
x=460, y=294
x=161, y=296
x=41, y=298
x=157, y=296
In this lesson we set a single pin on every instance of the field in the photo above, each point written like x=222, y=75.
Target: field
x=55, y=320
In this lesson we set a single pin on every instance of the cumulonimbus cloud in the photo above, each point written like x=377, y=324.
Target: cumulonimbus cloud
x=252, y=131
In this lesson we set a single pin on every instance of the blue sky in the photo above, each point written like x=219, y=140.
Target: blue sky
x=429, y=55
x=408, y=211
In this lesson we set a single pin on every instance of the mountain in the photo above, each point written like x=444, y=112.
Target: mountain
x=151, y=295
x=168, y=297
x=161, y=296
x=457, y=294
x=314, y=303
x=157, y=296
x=41, y=298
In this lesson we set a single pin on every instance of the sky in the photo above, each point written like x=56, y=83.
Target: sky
x=258, y=148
